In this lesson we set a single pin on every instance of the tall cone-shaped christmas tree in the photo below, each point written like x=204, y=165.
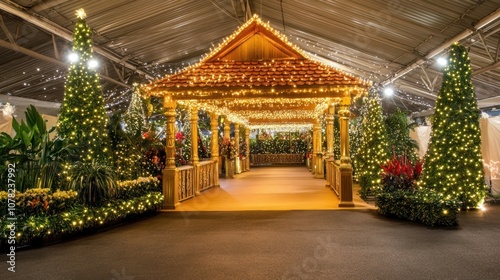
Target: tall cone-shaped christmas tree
x=134, y=117
x=374, y=147
x=453, y=164
x=82, y=117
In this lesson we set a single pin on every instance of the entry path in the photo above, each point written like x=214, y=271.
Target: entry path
x=269, y=188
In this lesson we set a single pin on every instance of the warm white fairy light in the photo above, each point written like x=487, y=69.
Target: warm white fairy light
x=284, y=127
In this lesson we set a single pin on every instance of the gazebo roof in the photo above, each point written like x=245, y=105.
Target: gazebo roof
x=256, y=76
x=255, y=57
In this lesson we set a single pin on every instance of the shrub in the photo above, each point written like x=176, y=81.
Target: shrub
x=77, y=219
x=42, y=213
x=400, y=198
x=138, y=187
x=423, y=206
x=95, y=182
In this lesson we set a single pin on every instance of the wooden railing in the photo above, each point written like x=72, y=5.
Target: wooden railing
x=340, y=181
x=191, y=180
x=186, y=182
x=257, y=159
x=207, y=172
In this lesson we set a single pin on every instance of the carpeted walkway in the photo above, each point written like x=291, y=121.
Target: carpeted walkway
x=269, y=188
x=273, y=245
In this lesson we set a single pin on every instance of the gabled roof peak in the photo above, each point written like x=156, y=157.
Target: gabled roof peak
x=254, y=41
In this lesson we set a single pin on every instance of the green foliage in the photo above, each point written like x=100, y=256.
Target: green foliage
x=398, y=132
x=138, y=187
x=453, y=165
x=43, y=213
x=373, y=149
x=423, y=206
x=82, y=117
x=78, y=218
x=183, y=136
x=355, y=133
x=37, y=158
x=39, y=201
x=134, y=118
x=278, y=146
x=128, y=151
x=95, y=182
x=336, y=138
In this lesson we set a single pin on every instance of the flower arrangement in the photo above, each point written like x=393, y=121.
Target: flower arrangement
x=399, y=196
x=227, y=149
x=182, y=152
x=43, y=213
x=400, y=173
x=243, y=149
x=37, y=200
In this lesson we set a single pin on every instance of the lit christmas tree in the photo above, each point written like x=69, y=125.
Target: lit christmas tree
x=336, y=138
x=355, y=134
x=453, y=164
x=134, y=117
x=82, y=117
x=398, y=131
x=374, y=147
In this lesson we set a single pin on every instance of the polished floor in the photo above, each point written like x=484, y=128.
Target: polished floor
x=269, y=188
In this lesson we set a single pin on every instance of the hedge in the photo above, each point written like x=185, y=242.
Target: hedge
x=423, y=206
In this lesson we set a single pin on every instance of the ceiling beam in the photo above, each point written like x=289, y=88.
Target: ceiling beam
x=485, y=69
x=45, y=5
x=55, y=29
x=462, y=35
x=45, y=58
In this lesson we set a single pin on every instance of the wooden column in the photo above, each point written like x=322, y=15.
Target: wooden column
x=228, y=165
x=237, y=166
x=214, y=147
x=330, y=140
x=227, y=129
x=195, y=160
x=317, y=170
x=345, y=159
x=329, y=131
x=170, y=178
x=247, y=155
x=313, y=156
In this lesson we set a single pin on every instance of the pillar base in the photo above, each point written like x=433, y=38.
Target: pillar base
x=346, y=186
x=346, y=204
x=170, y=188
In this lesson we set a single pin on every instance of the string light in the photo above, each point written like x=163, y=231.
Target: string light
x=82, y=117
x=454, y=165
x=259, y=82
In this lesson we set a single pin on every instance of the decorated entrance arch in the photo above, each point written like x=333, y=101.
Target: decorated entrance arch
x=257, y=78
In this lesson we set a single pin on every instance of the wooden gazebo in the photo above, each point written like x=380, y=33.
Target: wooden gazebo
x=257, y=77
